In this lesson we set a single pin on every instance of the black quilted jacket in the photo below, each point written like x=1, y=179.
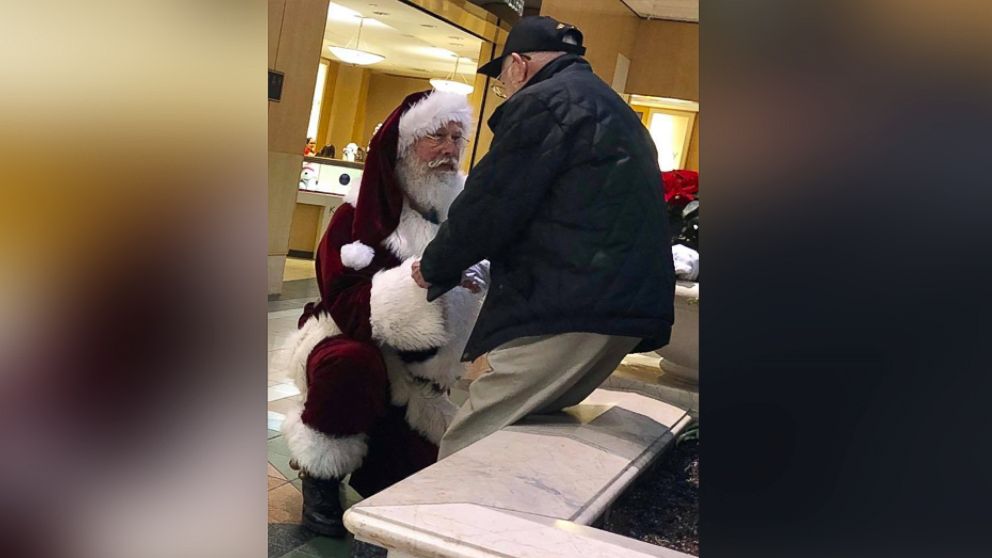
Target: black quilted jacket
x=568, y=207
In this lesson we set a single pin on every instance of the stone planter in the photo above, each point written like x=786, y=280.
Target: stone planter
x=680, y=358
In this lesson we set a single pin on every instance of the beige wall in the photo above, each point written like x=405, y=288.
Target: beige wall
x=484, y=102
x=386, y=92
x=303, y=233
x=324, y=121
x=666, y=60
x=296, y=29
x=666, y=64
x=692, y=160
x=664, y=55
x=608, y=28
x=346, y=104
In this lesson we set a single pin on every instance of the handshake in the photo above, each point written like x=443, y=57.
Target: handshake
x=474, y=278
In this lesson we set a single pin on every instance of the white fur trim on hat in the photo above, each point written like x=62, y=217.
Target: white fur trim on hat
x=321, y=455
x=357, y=255
x=434, y=111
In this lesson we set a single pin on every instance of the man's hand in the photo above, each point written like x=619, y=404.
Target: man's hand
x=475, y=278
x=418, y=277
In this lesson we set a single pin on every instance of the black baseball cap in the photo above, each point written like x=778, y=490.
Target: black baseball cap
x=537, y=34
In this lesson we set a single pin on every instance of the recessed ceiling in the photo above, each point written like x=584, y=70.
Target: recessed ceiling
x=414, y=43
x=680, y=10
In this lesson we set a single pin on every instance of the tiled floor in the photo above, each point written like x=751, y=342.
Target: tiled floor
x=297, y=269
x=287, y=538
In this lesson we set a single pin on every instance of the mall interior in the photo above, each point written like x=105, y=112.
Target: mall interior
x=338, y=68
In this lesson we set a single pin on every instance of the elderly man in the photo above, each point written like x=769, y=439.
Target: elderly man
x=567, y=205
x=373, y=357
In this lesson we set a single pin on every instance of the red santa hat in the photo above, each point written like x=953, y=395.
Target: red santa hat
x=379, y=199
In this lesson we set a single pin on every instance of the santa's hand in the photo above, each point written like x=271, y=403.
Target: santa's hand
x=418, y=277
x=472, y=285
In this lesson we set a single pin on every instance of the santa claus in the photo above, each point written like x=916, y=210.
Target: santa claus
x=373, y=358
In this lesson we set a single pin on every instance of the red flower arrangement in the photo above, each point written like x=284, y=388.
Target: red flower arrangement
x=681, y=187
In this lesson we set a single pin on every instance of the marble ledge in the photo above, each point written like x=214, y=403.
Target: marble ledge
x=516, y=471
x=469, y=531
x=531, y=467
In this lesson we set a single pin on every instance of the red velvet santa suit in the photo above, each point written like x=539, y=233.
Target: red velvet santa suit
x=369, y=408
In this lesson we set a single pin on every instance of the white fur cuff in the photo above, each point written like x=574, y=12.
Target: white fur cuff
x=357, y=255
x=400, y=314
x=297, y=348
x=430, y=413
x=321, y=455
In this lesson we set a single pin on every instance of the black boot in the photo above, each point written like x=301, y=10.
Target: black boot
x=322, y=512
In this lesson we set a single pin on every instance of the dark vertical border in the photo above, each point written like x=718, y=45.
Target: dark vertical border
x=846, y=249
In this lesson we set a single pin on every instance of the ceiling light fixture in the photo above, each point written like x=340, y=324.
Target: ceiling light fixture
x=452, y=84
x=355, y=55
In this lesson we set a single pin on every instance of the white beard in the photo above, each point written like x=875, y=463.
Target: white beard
x=427, y=188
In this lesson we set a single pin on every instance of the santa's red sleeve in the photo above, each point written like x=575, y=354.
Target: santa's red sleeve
x=370, y=293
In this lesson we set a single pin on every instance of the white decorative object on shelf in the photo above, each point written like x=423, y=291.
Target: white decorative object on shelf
x=350, y=152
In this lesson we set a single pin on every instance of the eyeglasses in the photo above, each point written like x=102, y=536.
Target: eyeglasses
x=498, y=88
x=437, y=140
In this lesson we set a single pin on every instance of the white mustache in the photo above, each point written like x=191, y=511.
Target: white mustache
x=438, y=162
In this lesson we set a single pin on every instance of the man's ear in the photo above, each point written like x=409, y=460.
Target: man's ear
x=514, y=60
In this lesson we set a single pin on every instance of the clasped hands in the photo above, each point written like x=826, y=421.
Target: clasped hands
x=473, y=278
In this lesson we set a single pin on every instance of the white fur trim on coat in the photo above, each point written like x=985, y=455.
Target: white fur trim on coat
x=429, y=412
x=321, y=455
x=357, y=255
x=400, y=315
x=299, y=345
x=461, y=308
x=436, y=110
x=412, y=234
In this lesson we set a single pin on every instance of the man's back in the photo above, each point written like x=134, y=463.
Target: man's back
x=567, y=205
x=594, y=255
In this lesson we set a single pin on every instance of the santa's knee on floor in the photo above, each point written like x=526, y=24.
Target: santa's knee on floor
x=346, y=387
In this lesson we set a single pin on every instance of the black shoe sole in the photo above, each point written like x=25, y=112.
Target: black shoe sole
x=323, y=529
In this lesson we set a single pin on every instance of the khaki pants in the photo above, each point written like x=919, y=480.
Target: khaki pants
x=534, y=375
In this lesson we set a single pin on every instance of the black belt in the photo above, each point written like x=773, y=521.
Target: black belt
x=436, y=387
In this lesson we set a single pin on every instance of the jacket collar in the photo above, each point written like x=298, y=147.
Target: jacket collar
x=550, y=69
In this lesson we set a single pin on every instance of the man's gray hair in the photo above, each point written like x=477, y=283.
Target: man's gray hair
x=541, y=58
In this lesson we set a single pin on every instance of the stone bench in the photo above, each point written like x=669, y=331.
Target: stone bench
x=529, y=490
